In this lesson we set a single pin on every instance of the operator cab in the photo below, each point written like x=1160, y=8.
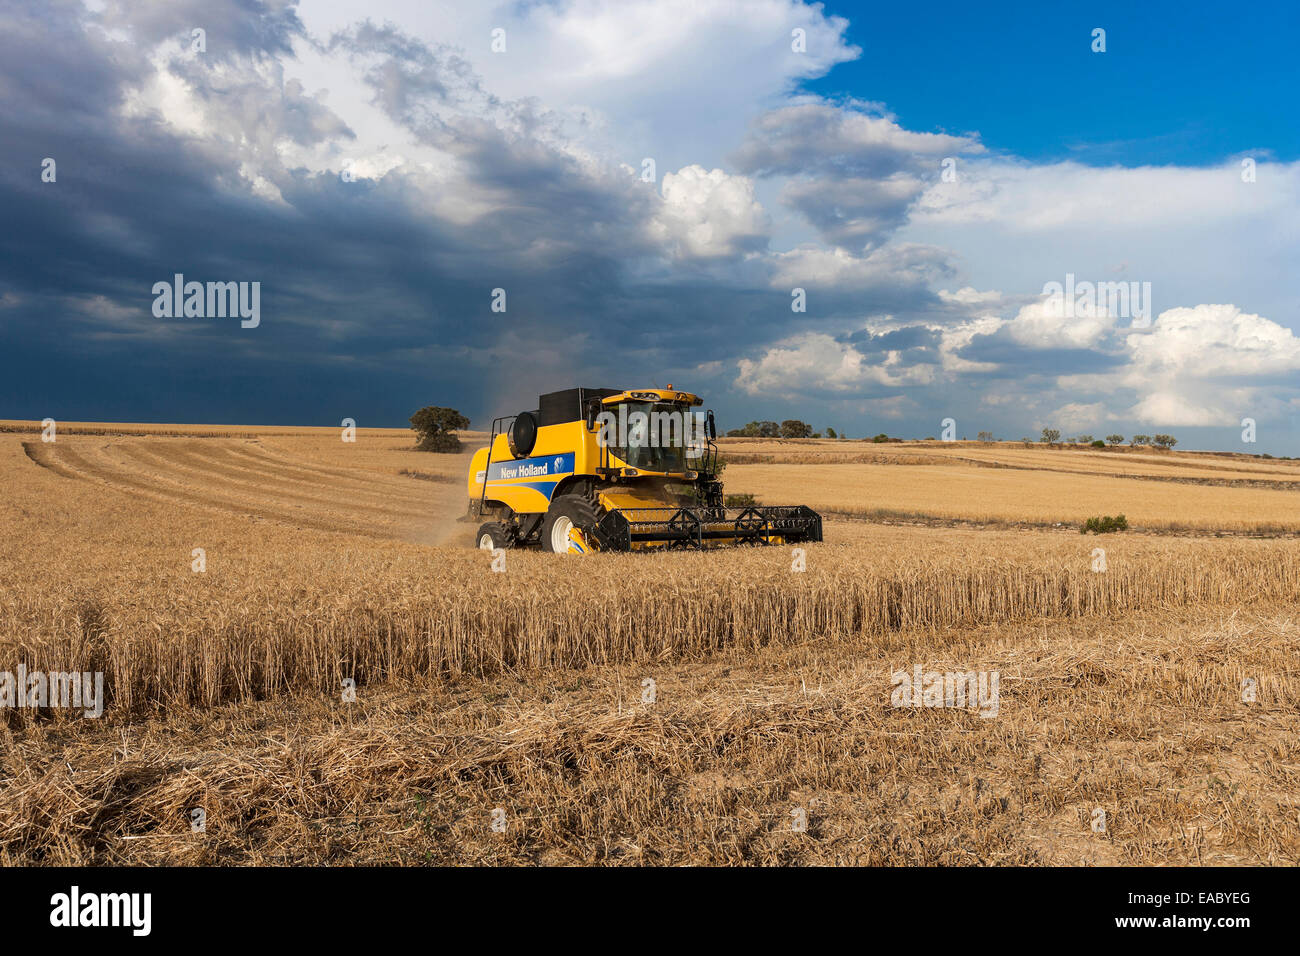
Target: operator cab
x=651, y=432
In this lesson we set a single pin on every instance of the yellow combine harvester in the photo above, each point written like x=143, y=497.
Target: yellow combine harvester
x=604, y=469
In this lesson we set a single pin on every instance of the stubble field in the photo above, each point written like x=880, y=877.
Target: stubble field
x=1122, y=691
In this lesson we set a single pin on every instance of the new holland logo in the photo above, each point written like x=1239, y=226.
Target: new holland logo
x=530, y=468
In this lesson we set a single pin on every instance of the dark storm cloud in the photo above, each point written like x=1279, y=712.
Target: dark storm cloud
x=362, y=290
x=230, y=26
x=854, y=213
x=1001, y=348
x=855, y=173
x=912, y=337
x=55, y=74
x=373, y=300
x=818, y=137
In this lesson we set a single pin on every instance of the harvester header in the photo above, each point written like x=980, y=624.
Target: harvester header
x=605, y=469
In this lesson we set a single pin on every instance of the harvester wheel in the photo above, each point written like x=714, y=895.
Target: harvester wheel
x=492, y=536
x=570, y=517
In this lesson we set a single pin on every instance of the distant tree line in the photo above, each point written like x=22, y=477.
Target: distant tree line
x=793, y=428
x=790, y=428
x=1052, y=436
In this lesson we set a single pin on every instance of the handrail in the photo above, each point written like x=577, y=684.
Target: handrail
x=487, y=467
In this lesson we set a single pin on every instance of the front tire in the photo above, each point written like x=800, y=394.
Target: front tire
x=568, y=513
x=491, y=536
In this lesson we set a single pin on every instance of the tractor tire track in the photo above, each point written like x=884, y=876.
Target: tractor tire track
x=202, y=469
x=83, y=462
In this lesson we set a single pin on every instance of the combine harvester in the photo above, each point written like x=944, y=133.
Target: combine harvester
x=603, y=469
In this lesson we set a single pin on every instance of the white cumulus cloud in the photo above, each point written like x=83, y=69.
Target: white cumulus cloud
x=709, y=214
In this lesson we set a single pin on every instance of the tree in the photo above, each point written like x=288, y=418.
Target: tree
x=830, y=432
x=1083, y=440
x=1140, y=440
x=793, y=428
x=756, y=430
x=1115, y=439
x=1164, y=441
x=1051, y=436
x=985, y=436
x=434, y=426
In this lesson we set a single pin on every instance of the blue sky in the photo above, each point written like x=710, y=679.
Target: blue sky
x=1180, y=83
x=650, y=182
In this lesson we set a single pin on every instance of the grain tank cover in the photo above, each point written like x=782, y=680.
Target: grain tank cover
x=557, y=408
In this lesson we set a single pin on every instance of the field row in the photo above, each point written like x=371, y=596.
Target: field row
x=1141, y=724
x=260, y=624
x=246, y=478
x=1107, y=461
x=1010, y=496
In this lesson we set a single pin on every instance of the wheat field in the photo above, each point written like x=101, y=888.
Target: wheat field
x=328, y=562
x=1014, y=496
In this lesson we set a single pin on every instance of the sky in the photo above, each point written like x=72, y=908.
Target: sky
x=861, y=216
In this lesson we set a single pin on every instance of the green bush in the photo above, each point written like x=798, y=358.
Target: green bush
x=1104, y=524
x=434, y=426
x=741, y=501
x=1099, y=444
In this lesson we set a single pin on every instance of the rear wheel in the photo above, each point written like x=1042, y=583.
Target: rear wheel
x=492, y=536
x=568, y=524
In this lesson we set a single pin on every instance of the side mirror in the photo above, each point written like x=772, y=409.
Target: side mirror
x=593, y=409
x=710, y=425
